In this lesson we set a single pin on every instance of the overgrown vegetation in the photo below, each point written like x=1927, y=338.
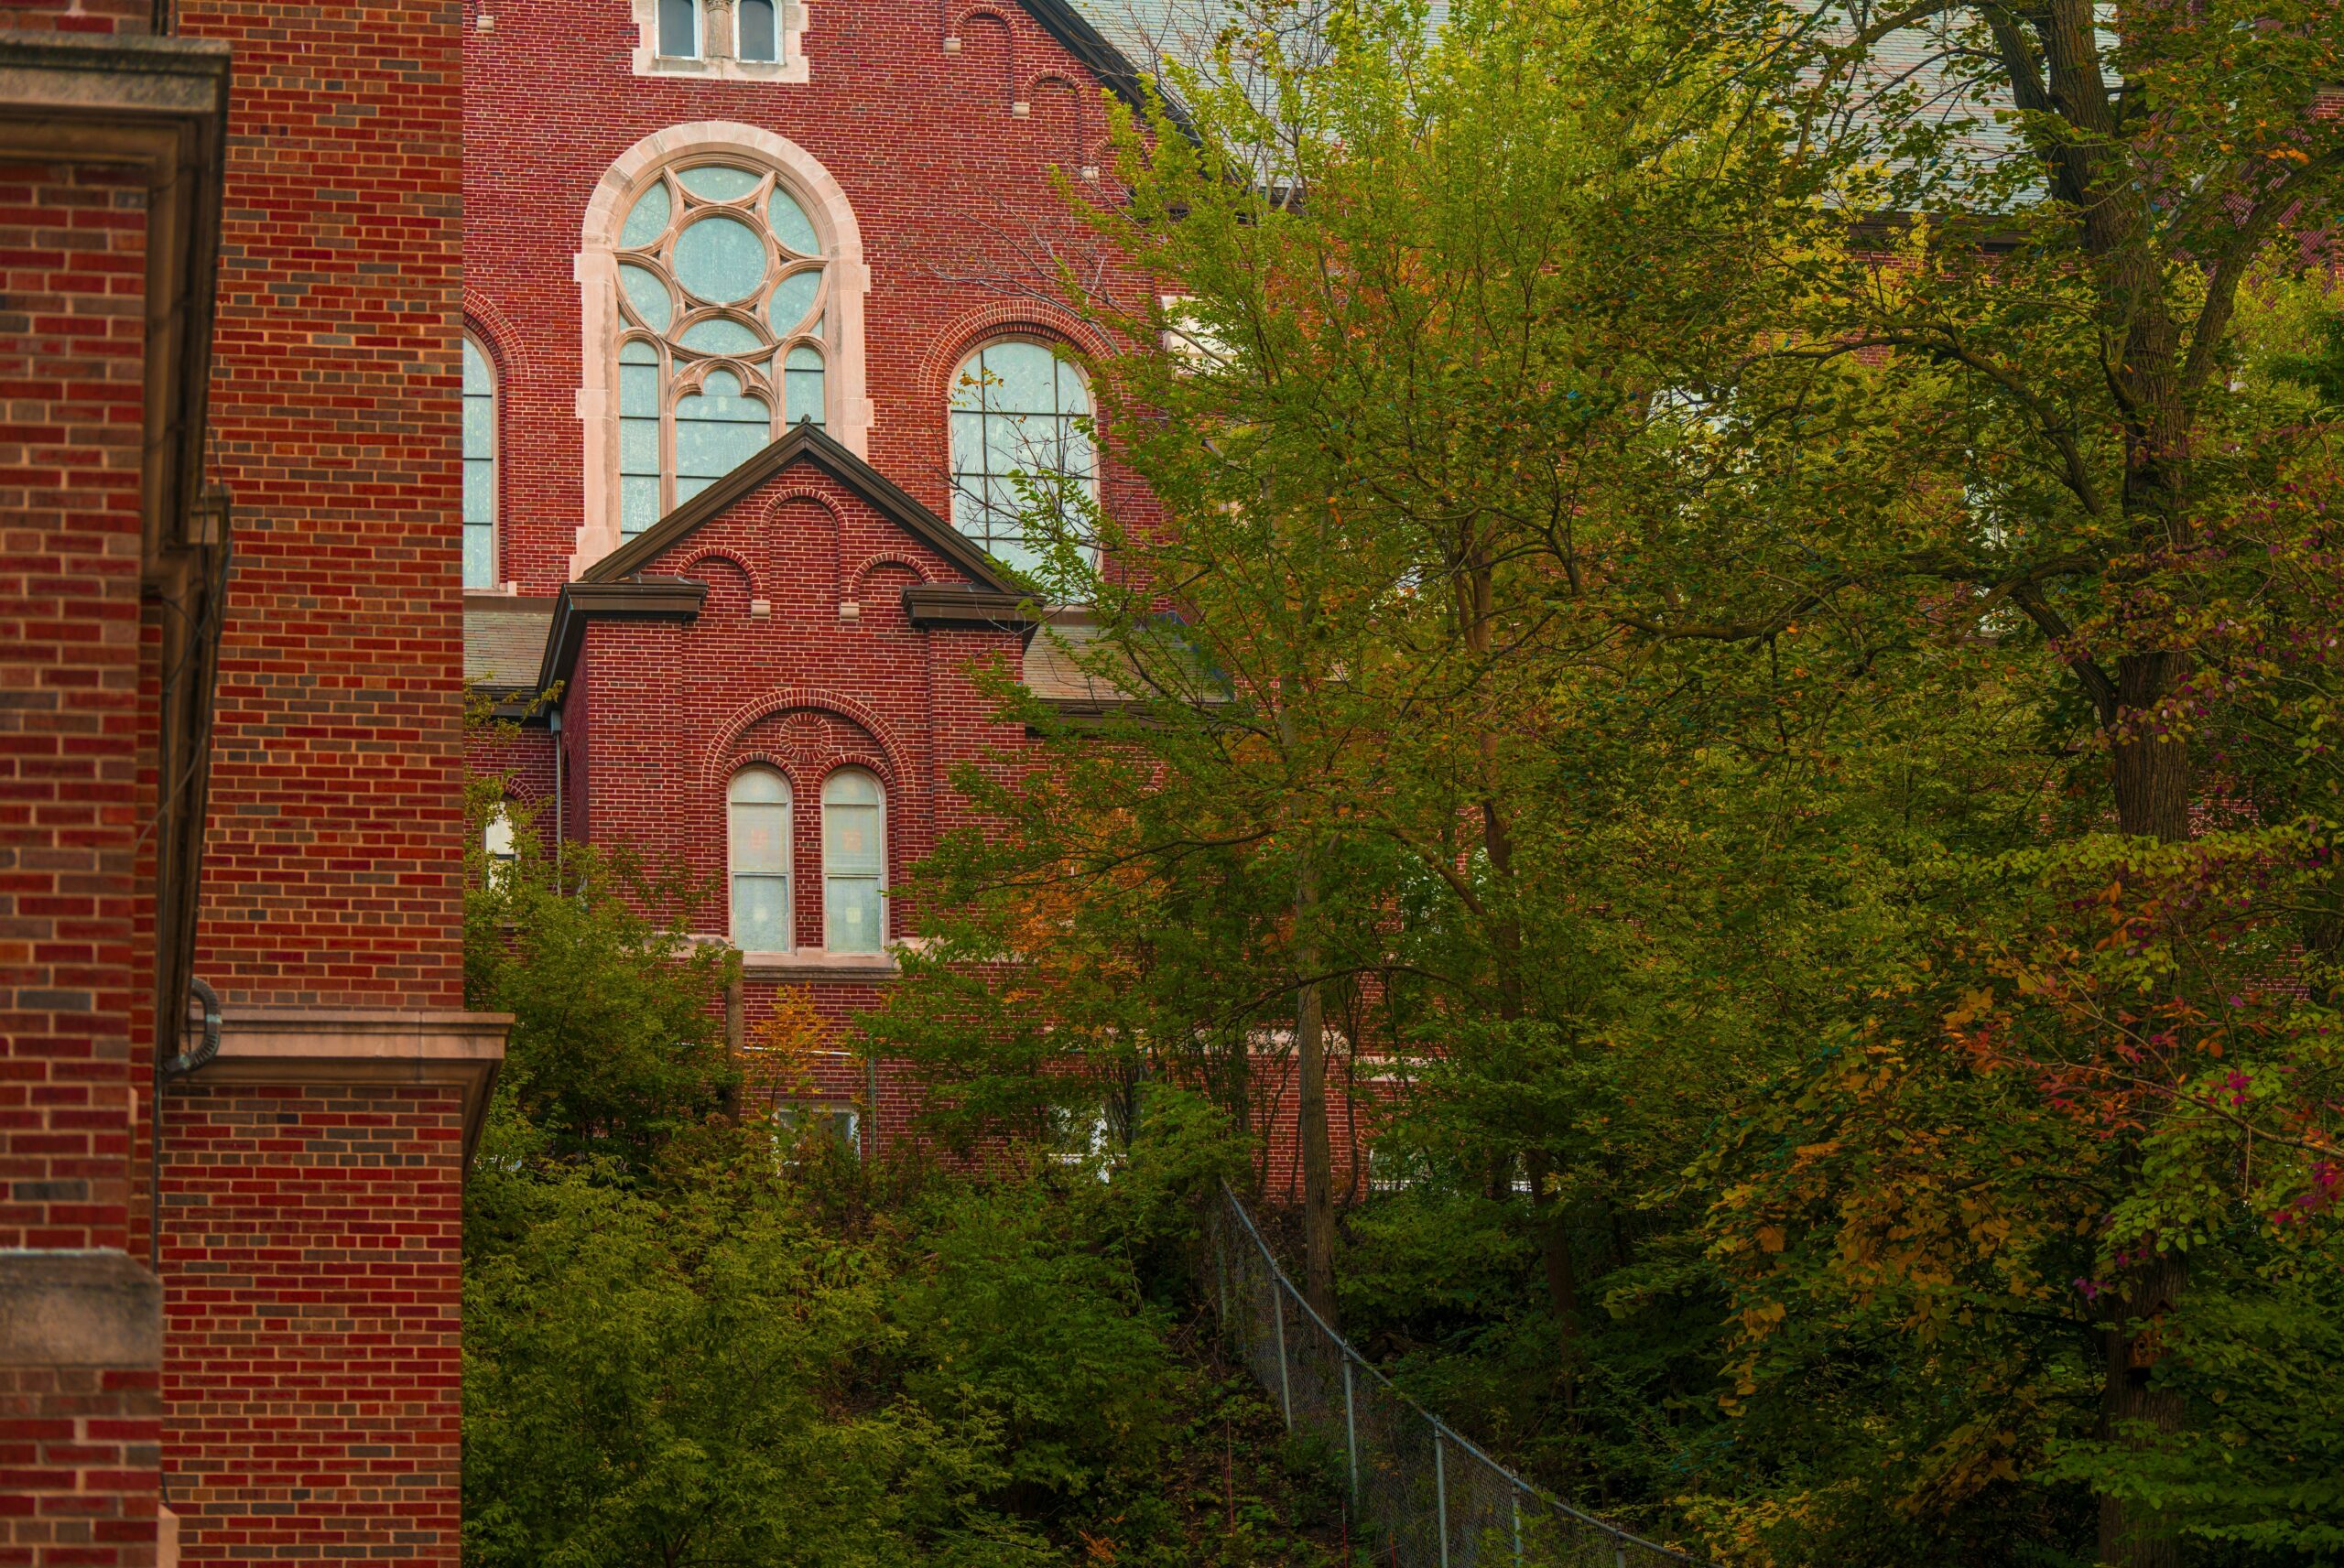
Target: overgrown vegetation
x=690, y=1341
x=1747, y=601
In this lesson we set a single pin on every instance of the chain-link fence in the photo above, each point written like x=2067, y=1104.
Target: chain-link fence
x=1423, y=1496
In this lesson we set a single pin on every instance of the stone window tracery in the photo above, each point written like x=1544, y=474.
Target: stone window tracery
x=724, y=299
x=1019, y=415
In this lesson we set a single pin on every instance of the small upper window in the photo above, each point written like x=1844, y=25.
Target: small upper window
x=758, y=811
x=480, y=468
x=760, y=37
x=680, y=28
x=854, y=863
x=1018, y=441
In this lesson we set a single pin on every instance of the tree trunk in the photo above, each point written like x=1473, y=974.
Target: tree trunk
x=2132, y=1536
x=1317, y=1158
x=1555, y=1253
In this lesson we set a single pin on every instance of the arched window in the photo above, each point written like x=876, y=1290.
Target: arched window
x=680, y=28
x=760, y=37
x=1016, y=437
x=854, y=863
x=757, y=808
x=497, y=840
x=723, y=296
x=480, y=468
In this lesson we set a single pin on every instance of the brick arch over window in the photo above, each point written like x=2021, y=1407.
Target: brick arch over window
x=860, y=578
x=824, y=202
x=889, y=763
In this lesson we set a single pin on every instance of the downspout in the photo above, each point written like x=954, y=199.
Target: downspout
x=553, y=723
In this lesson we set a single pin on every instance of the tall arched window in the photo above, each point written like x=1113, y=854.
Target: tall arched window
x=760, y=35
x=854, y=863
x=723, y=296
x=1018, y=410
x=757, y=826
x=680, y=28
x=480, y=468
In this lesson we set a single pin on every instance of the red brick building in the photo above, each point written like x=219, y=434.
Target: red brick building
x=237, y=1082
x=757, y=329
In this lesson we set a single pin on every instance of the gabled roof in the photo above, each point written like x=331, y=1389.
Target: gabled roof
x=805, y=443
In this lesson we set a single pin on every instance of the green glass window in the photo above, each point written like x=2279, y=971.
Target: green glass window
x=639, y=455
x=758, y=824
x=1017, y=413
x=721, y=296
x=480, y=468
x=717, y=428
x=854, y=863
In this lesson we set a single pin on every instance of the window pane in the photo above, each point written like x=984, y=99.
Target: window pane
x=680, y=28
x=647, y=220
x=850, y=839
x=1028, y=374
x=719, y=181
x=756, y=30
x=760, y=837
x=653, y=306
x=480, y=555
x=717, y=430
x=790, y=224
x=719, y=335
x=761, y=913
x=638, y=500
x=480, y=490
x=720, y=260
x=852, y=915
x=801, y=386
x=793, y=296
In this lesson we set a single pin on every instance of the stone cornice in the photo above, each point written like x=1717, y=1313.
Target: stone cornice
x=365, y=1045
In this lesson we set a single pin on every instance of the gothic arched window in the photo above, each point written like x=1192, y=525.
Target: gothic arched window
x=723, y=296
x=1018, y=440
x=480, y=468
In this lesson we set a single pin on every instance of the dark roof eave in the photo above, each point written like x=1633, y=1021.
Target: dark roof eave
x=669, y=599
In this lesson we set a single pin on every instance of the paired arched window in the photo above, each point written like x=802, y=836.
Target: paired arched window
x=1018, y=441
x=479, y=467
x=757, y=811
x=854, y=863
x=723, y=297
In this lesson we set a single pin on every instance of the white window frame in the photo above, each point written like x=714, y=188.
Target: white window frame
x=718, y=57
x=952, y=409
x=733, y=873
x=830, y=875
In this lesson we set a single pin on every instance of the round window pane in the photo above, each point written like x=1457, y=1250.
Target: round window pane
x=720, y=335
x=720, y=260
x=793, y=298
x=648, y=295
x=718, y=181
x=649, y=221
x=790, y=224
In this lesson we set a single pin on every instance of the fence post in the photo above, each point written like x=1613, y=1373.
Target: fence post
x=1220, y=1262
x=1285, y=1385
x=1350, y=1431
x=1440, y=1494
x=1514, y=1496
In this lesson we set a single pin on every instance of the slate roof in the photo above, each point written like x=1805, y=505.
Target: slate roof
x=504, y=639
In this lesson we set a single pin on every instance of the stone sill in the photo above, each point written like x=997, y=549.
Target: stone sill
x=814, y=964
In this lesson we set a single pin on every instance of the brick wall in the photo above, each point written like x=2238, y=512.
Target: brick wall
x=124, y=16
x=332, y=874
x=78, y=1466
x=72, y=976
x=312, y=1242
